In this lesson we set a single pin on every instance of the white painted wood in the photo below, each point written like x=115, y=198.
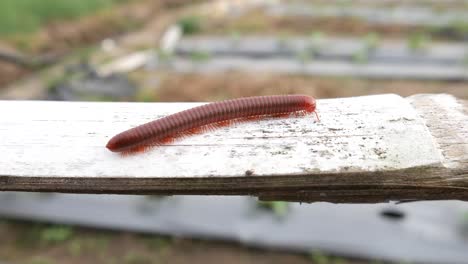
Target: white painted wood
x=67, y=139
x=447, y=119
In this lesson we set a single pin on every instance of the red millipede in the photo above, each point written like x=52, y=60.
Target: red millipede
x=207, y=117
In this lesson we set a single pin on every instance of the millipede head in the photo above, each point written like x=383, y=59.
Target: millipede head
x=309, y=104
x=113, y=144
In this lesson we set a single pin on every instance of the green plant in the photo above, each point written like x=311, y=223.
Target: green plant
x=317, y=257
x=190, y=24
x=460, y=27
x=465, y=60
x=316, y=37
x=344, y=3
x=200, y=56
x=164, y=56
x=56, y=234
x=279, y=208
x=52, y=82
x=75, y=247
x=305, y=56
x=312, y=45
x=26, y=16
x=235, y=37
x=146, y=95
x=361, y=56
x=418, y=41
x=371, y=41
x=283, y=40
x=464, y=218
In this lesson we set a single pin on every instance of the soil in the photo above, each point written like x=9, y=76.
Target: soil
x=23, y=242
x=257, y=21
x=211, y=87
x=61, y=37
x=10, y=73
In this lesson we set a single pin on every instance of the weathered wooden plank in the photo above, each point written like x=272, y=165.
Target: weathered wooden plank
x=447, y=120
x=369, y=148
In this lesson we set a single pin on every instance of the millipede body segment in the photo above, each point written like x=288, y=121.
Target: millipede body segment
x=209, y=116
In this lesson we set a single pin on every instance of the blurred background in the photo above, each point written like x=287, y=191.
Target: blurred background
x=180, y=50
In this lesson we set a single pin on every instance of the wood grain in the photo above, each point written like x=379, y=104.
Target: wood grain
x=365, y=149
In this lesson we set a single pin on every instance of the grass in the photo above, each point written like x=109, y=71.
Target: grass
x=75, y=247
x=109, y=247
x=371, y=41
x=465, y=217
x=39, y=235
x=56, y=234
x=190, y=24
x=305, y=56
x=235, y=37
x=278, y=208
x=361, y=56
x=317, y=257
x=312, y=47
x=418, y=41
x=200, y=56
x=457, y=30
x=27, y=16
